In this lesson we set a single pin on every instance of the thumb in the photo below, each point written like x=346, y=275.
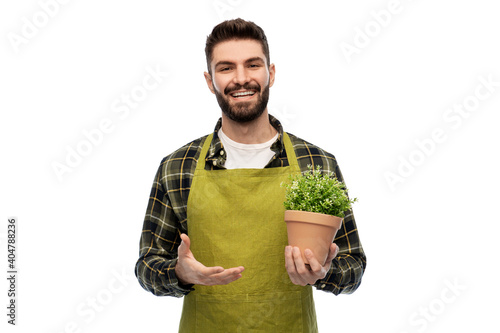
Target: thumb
x=185, y=245
x=332, y=254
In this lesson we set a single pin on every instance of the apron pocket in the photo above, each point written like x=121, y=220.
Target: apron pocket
x=271, y=312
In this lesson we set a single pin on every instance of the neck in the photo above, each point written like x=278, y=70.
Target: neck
x=259, y=130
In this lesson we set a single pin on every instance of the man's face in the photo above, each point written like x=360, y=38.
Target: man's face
x=240, y=79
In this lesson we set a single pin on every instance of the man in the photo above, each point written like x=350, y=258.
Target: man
x=214, y=230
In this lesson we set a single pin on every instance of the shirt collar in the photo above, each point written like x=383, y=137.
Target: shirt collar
x=216, y=156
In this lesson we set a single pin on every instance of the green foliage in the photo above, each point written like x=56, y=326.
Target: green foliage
x=318, y=192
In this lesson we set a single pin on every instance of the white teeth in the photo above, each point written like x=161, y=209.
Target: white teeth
x=244, y=93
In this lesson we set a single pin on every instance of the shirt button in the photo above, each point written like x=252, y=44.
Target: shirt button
x=222, y=152
x=323, y=286
x=215, y=162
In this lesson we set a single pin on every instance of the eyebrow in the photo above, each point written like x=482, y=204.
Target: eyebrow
x=253, y=59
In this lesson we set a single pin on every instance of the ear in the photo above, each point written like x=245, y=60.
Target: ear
x=272, y=73
x=210, y=84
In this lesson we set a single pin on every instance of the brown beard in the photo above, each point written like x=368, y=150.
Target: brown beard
x=243, y=112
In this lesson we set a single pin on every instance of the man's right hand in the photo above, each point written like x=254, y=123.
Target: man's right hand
x=191, y=271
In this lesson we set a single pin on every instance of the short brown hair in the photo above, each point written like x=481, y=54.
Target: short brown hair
x=235, y=29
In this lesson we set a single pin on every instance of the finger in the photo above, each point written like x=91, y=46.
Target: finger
x=227, y=279
x=226, y=276
x=299, y=262
x=185, y=239
x=302, y=271
x=231, y=273
x=337, y=249
x=290, y=266
x=313, y=262
x=334, y=250
x=289, y=262
x=183, y=249
x=210, y=271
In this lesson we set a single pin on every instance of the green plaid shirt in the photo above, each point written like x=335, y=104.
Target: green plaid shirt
x=166, y=216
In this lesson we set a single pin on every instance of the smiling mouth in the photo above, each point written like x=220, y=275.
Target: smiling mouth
x=242, y=94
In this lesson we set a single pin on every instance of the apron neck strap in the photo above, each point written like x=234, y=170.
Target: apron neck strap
x=203, y=153
x=290, y=152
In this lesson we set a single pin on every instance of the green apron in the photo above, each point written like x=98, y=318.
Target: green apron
x=236, y=218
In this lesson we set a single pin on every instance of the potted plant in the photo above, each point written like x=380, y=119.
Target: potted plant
x=315, y=203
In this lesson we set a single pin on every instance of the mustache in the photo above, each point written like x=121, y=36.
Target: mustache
x=246, y=86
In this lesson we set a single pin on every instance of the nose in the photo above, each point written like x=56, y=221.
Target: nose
x=241, y=75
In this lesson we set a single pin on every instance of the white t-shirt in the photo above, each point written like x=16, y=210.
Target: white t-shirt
x=246, y=156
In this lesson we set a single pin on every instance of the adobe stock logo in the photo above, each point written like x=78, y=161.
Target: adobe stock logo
x=285, y=115
x=122, y=106
x=223, y=6
x=39, y=20
x=96, y=303
x=363, y=37
x=453, y=117
x=427, y=314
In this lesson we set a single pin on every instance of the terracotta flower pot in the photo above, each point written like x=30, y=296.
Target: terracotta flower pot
x=312, y=231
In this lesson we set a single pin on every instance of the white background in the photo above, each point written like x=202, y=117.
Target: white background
x=430, y=238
